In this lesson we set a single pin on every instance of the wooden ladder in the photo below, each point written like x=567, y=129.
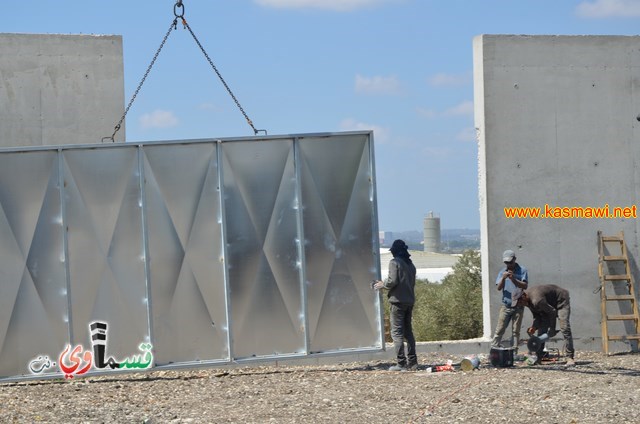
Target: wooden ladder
x=626, y=294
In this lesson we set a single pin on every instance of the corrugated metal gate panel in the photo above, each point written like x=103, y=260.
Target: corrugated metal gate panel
x=338, y=229
x=33, y=285
x=105, y=245
x=186, y=270
x=262, y=253
x=213, y=251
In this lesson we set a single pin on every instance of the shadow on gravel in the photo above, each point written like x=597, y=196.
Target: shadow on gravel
x=624, y=354
x=88, y=380
x=582, y=367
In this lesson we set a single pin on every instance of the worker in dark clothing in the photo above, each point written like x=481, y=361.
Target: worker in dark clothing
x=400, y=283
x=548, y=303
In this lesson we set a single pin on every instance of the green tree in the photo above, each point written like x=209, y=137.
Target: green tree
x=463, y=298
x=426, y=312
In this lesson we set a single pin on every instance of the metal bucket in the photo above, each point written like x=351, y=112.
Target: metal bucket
x=501, y=357
x=469, y=363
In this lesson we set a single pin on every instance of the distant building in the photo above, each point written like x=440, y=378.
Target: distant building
x=431, y=233
x=386, y=238
x=429, y=266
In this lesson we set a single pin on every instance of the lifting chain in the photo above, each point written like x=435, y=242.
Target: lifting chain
x=178, y=12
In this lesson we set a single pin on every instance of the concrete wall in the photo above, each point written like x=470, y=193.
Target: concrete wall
x=557, y=121
x=60, y=89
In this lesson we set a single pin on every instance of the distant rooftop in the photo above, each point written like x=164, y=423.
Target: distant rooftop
x=431, y=266
x=423, y=259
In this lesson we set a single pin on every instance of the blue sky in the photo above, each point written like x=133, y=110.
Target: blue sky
x=402, y=68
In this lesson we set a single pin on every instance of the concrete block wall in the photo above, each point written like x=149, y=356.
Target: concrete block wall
x=60, y=89
x=557, y=119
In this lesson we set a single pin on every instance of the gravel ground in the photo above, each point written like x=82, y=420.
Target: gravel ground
x=599, y=389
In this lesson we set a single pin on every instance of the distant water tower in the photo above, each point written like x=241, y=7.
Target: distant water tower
x=431, y=233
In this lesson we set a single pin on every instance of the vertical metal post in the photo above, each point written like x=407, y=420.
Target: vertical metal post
x=223, y=241
x=302, y=267
x=142, y=204
x=375, y=242
x=65, y=241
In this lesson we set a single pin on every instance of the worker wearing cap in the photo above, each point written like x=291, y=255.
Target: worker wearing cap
x=511, y=281
x=400, y=285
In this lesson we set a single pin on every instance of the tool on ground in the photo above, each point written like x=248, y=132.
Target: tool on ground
x=535, y=342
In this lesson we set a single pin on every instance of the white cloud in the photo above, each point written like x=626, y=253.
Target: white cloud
x=158, y=119
x=609, y=9
x=335, y=5
x=380, y=134
x=377, y=85
x=464, y=108
x=450, y=80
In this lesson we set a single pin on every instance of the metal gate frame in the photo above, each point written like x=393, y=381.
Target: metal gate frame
x=195, y=252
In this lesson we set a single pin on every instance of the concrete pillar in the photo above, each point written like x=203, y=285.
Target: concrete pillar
x=60, y=89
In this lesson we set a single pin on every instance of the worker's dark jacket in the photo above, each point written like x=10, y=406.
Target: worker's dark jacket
x=545, y=300
x=401, y=281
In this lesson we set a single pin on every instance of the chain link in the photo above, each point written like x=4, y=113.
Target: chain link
x=135, y=94
x=255, y=131
x=174, y=26
x=176, y=7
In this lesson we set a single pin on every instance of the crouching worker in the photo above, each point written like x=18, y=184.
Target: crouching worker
x=400, y=283
x=548, y=303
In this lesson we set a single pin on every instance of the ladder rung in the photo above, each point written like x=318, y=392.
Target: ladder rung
x=613, y=277
x=621, y=297
x=612, y=238
x=627, y=337
x=621, y=317
x=614, y=258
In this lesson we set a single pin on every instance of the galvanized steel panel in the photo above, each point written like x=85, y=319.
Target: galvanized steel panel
x=33, y=288
x=213, y=251
x=105, y=246
x=337, y=194
x=262, y=253
x=186, y=267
